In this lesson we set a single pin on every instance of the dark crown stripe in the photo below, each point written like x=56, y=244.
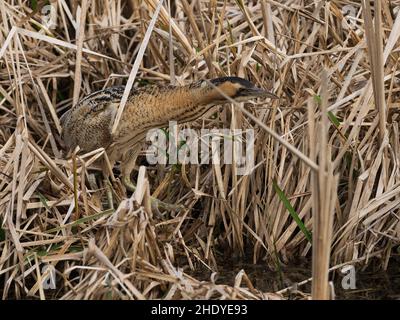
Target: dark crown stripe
x=241, y=81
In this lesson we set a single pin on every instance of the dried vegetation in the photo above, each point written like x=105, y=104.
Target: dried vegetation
x=333, y=154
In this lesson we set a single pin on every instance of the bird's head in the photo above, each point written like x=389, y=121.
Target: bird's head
x=239, y=89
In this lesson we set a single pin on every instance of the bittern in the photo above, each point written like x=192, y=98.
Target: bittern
x=88, y=124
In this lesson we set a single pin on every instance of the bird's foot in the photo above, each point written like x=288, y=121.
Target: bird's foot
x=128, y=184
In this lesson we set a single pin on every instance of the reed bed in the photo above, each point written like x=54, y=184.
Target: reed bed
x=326, y=153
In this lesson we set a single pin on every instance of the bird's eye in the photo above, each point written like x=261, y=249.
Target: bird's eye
x=240, y=92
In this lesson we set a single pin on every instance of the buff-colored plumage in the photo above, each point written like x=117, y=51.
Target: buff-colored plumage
x=88, y=124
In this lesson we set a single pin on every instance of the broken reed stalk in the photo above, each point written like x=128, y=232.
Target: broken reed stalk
x=323, y=186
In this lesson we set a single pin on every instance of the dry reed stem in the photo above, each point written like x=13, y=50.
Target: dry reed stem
x=79, y=41
x=135, y=67
x=324, y=190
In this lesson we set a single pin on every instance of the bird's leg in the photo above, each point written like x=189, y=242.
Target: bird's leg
x=107, y=165
x=109, y=193
x=127, y=166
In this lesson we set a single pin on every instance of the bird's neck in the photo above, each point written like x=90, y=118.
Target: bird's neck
x=188, y=103
x=155, y=108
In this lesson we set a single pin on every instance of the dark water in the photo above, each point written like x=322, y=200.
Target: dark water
x=371, y=283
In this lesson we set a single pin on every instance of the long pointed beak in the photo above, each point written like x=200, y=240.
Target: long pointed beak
x=261, y=93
